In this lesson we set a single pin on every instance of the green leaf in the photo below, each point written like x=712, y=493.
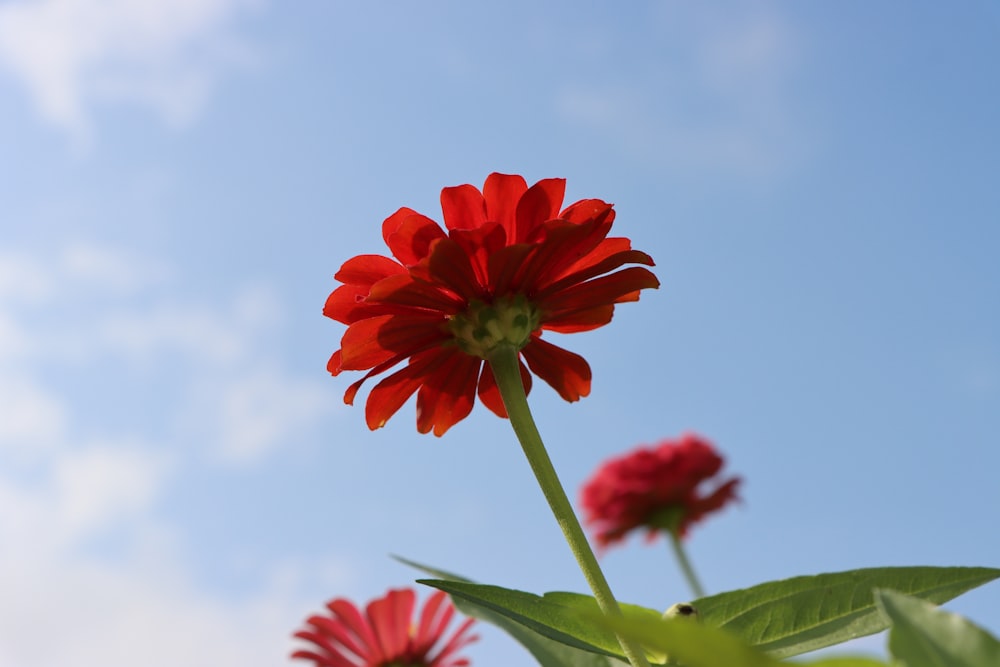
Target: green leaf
x=548, y=652
x=688, y=642
x=924, y=636
x=695, y=644
x=793, y=616
x=843, y=661
x=782, y=618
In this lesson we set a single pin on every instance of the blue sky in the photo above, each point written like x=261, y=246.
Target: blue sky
x=179, y=479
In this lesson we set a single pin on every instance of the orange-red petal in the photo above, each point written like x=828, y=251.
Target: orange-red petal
x=389, y=395
x=375, y=340
x=403, y=291
x=449, y=265
x=581, y=320
x=566, y=372
x=409, y=234
x=598, y=268
x=502, y=192
x=448, y=393
x=540, y=203
x=463, y=207
x=599, y=291
x=367, y=269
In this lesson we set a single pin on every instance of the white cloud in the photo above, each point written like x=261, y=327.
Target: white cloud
x=63, y=607
x=22, y=278
x=75, y=492
x=259, y=411
x=235, y=394
x=95, y=486
x=163, y=54
x=195, y=331
x=93, y=572
x=110, y=269
x=97, y=271
x=32, y=417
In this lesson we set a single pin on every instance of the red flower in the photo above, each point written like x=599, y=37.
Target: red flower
x=510, y=266
x=655, y=488
x=385, y=635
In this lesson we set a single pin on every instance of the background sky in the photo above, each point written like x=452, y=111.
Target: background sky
x=180, y=482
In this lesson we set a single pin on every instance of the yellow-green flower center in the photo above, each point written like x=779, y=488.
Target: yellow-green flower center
x=486, y=326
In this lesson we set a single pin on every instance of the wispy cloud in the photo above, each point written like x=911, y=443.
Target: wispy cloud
x=83, y=498
x=73, y=55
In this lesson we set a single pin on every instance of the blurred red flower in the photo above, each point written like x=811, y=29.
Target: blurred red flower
x=510, y=266
x=657, y=488
x=385, y=635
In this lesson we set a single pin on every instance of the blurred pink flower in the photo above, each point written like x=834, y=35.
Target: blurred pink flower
x=657, y=488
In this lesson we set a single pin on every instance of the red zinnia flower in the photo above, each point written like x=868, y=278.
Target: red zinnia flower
x=656, y=488
x=510, y=266
x=385, y=635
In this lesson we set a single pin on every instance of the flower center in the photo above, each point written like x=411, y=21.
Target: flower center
x=486, y=326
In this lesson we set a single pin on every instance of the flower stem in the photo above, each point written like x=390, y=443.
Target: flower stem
x=682, y=560
x=507, y=372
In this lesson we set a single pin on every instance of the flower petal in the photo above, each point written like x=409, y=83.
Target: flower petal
x=458, y=641
x=390, y=619
x=715, y=501
x=479, y=245
x=352, y=619
x=599, y=291
x=334, y=629
x=349, y=304
x=449, y=265
x=502, y=192
x=540, y=203
x=328, y=660
x=566, y=372
x=463, y=206
x=389, y=395
x=428, y=630
x=585, y=209
x=582, y=273
x=448, y=394
x=506, y=267
x=409, y=235
x=580, y=320
x=367, y=270
x=375, y=340
x=404, y=290
x=558, y=246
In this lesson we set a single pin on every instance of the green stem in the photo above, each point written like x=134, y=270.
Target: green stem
x=507, y=371
x=682, y=560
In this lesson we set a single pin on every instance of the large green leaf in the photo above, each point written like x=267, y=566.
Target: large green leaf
x=924, y=636
x=782, y=618
x=695, y=644
x=793, y=616
x=548, y=652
